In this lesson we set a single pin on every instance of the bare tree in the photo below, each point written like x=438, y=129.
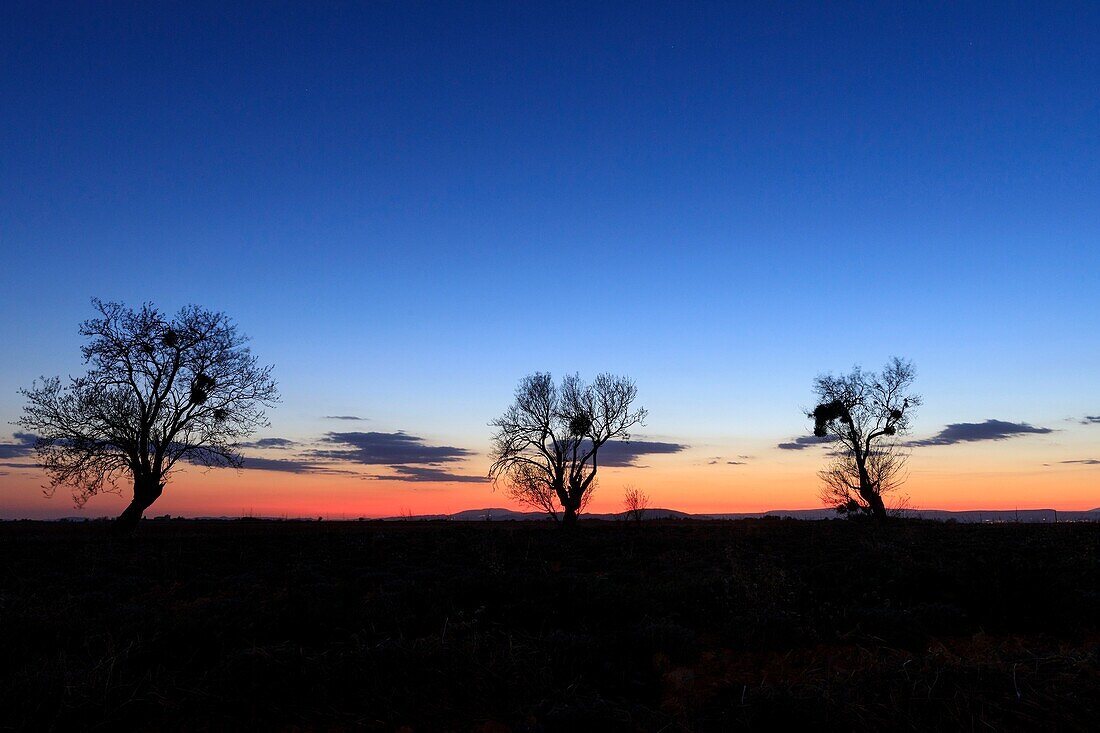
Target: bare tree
x=636, y=502
x=158, y=391
x=864, y=413
x=547, y=443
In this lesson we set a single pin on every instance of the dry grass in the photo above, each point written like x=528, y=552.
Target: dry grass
x=495, y=627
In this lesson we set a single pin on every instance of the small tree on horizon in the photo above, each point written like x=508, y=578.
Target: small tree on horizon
x=158, y=391
x=546, y=445
x=636, y=502
x=864, y=413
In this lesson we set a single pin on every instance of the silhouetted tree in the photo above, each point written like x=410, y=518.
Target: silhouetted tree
x=158, y=391
x=864, y=412
x=636, y=502
x=546, y=445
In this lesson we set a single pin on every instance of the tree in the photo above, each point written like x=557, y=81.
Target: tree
x=158, y=391
x=636, y=502
x=864, y=413
x=546, y=446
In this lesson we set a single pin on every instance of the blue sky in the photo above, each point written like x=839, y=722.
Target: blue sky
x=409, y=206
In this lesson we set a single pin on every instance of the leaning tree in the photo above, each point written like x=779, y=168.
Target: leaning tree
x=158, y=391
x=546, y=446
x=863, y=413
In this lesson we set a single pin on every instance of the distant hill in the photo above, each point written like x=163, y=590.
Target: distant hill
x=496, y=514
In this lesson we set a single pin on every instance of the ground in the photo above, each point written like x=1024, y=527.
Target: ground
x=661, y=626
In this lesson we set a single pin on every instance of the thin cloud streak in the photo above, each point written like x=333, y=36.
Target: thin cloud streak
x=430, y=474
x=290, y=465
x=270, y=444
x=803, y=442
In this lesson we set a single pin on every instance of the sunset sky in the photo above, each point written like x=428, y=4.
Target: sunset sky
x=409, y=206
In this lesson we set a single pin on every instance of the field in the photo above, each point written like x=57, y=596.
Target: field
x=662, y=626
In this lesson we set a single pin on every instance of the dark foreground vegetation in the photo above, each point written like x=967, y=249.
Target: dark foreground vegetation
x=497, y=627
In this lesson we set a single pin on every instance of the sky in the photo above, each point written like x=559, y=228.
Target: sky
x=409, y=206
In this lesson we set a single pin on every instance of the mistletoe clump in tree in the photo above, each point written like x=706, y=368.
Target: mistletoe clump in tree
x=158, y=391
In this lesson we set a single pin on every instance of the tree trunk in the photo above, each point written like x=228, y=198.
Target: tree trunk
x=870, y=495
x=569, y=516
x=147, y=489
x=878, y=508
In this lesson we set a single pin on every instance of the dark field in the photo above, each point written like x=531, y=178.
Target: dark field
x=497, y=627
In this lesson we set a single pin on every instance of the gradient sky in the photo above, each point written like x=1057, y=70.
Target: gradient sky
x=409, y=206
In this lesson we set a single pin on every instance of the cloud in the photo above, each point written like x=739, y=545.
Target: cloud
x=429, y=473
x=409, y=457
x=969, y=432
x=270, y=443
x=1085, y=461
x=386, y=449
x=24, y=446
x=1091, y=420
x=343, y=417
x=803, y=442
x=25, y=466
x=736, y=463
x=624, y=453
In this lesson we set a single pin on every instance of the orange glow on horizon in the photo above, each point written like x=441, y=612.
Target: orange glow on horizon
x=696, y=488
